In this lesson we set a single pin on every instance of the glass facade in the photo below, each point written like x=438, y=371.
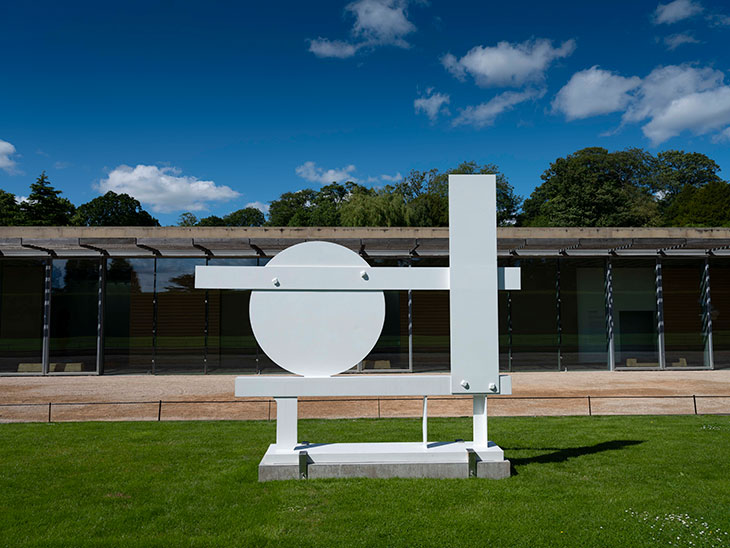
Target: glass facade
x=571, y=314
x=635, y=313
x=21, y=315
x=74, y=315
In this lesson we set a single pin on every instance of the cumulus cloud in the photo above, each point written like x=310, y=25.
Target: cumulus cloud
x=311, y=172
x=484, y=114
x=323, y=47
x=723, y=136
x=432, y=104
x=7, y=162
x=594, y=91
x=507, y=64
x=261, y=206
x=668, y=101
x=164, y=188
x=376, y=23
x=676, y=11
x=675, y=40
x=392, y=178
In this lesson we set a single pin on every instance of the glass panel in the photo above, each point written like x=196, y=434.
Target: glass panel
x=584, y=344
x=391, y=350
x=534, y=317
x=128, y=315
x=720, y=299
x=503, y=308
x=431, y=324
x=74, y=315
x=634, y=313
x=180, y=317
x=21, y=315
x=231, y=344
x=684, y=342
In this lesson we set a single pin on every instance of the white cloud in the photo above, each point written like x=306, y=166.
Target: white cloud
x=261, y=206
x=62, y=165
x=700, y=113
x=7, y=163
x=431, y=104
x=323, y=47
x=668, y=101
x=315, y=174
x=594, y=91
x=21, y=199
x=484, y=114
x=675, y=40
x=377, y=23
x=676, y=11
x=718, y=20
x=164, y=189
x=723, y=136
x=392, y=178
x=507, y=64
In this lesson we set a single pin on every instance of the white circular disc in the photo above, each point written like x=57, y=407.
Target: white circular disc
x=317, y=333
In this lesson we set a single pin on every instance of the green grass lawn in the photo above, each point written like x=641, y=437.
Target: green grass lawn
x=578, y=481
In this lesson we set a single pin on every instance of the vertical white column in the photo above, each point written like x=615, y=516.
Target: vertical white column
x=286, y=423
x=425, y=420
x=480, y=421
x=473, y=284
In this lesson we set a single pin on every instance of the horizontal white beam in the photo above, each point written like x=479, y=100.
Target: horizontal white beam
x=334, y=278
x=346, y=385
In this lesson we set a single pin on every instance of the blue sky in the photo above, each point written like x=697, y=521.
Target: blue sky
x=210, y=106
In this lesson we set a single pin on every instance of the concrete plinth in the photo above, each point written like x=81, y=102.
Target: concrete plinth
x=384, y=460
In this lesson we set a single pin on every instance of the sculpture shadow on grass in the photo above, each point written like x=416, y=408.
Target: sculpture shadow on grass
x=559, y=454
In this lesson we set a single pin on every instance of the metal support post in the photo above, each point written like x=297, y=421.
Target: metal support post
x=480, y=421
x=154, y=317
x=286, y=423
x=608, y=292
x=100, y=317
x=707, y=315
x=47, y=285
x=660, y=313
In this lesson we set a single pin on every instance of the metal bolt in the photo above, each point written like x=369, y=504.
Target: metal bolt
x=465, y=385
x=275, y=281
x=492, y=387
x=363, y=275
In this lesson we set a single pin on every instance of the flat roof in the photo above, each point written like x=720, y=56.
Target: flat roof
x=374, y=242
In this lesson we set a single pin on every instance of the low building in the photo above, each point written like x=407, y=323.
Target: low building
x=119, y=300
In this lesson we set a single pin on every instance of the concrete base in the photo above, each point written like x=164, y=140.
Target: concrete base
x=384, y=460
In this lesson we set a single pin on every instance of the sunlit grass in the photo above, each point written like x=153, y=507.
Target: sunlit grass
x=578, y=481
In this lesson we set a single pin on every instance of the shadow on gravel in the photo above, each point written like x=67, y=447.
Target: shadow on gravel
x=561, y=455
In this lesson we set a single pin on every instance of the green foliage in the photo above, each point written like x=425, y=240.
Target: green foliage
x=311, y=207
x=45, y=207
x=213, y=220
x=677, y=170
x=594, y=187
x=248, y=216
x=10, y=213
x=113, y=209
x=187, y=219
x=707, y=205
x=577, y=482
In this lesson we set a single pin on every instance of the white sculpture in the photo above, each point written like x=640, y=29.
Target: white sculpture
x=317, y=309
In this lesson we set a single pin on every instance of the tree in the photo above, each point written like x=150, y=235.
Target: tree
x=113, y=209
x=45, y=207
x=187, y=219
x=594, y=187
x=677, y=170
x=10, y=213
x=707, y=205
x=213, y=220
x=248, y=216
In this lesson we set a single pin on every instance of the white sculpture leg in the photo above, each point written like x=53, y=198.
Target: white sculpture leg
x=425, y=420
x=286, y=423
x=480, y=421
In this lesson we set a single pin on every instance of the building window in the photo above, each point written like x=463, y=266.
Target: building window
x=21, y=315
x=74, y=315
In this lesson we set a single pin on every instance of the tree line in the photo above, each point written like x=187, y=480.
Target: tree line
x=592, y=187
